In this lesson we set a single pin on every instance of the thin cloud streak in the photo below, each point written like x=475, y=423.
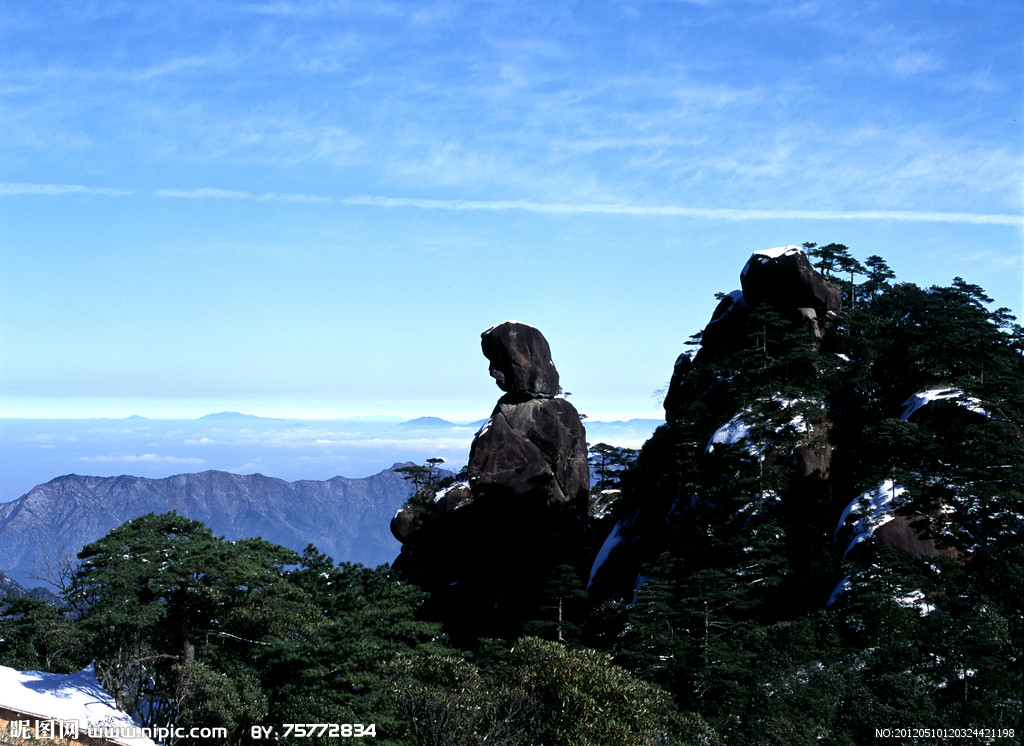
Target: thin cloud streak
x=696, y=212
x=208, y=193
x=59, y=190
x=565, y=208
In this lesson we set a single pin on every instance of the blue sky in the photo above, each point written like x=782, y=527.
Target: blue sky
x=313, y=208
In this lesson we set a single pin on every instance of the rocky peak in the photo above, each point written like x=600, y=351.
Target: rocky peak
x=784, y=278
x=733, y=432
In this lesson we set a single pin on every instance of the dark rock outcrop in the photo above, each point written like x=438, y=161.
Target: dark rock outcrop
x=782, y=279
x=930, y=533
x=483, y=548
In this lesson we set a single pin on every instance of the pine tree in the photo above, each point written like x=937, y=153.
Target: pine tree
x=878, y=276
x=353, y=620
x=561, y=610
x=169, y=610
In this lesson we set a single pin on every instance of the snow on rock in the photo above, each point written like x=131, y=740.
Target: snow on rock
x=70, y=699
x=614, y=539
x=874, y=507
x=842, y=587
x=729, y=434
x=773, y=254
x=913, y=600
x=923, y=398
x=738, y=429
x=441, y=494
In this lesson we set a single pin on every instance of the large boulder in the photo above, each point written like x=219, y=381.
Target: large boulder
x=781, y=278
x=533, y=448
x=520, y=359
x=784, y=278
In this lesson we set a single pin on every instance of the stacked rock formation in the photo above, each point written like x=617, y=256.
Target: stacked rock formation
x=484, y=547
x=534, y=446
x=807, y=308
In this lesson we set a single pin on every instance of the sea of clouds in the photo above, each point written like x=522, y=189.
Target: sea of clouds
x=36, y=451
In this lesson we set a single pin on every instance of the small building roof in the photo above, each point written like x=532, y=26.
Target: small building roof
x=68, y=697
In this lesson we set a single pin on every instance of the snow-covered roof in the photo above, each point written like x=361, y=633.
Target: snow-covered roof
x=67, y=698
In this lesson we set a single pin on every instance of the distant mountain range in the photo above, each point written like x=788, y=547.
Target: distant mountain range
x=346, y=518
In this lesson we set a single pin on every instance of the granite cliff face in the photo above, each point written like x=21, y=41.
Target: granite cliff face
x=484, y=546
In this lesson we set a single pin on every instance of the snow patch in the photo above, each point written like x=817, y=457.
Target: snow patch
x=874, y=507
x=485, y=427
x=922, y=398
x=614, y=539
x=840, y=589
x=916, y=600
x=772, y=254
x=738, y=429
x=729, y=434
x=443, y=493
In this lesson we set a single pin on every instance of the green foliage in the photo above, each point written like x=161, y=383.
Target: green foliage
x=561, y=608
x=352, y=620
x=191, y=630
x=36, y=635
x=168, y=609
x=539, y=692
x=425, y=481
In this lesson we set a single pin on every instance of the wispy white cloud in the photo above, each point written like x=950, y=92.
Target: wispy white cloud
x=711, y=213
x=209, y=193
x=305, y=9
x=144, y=458
x=564, y=208
x=59, y=190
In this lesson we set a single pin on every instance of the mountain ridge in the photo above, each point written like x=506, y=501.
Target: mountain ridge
x=344, y=517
